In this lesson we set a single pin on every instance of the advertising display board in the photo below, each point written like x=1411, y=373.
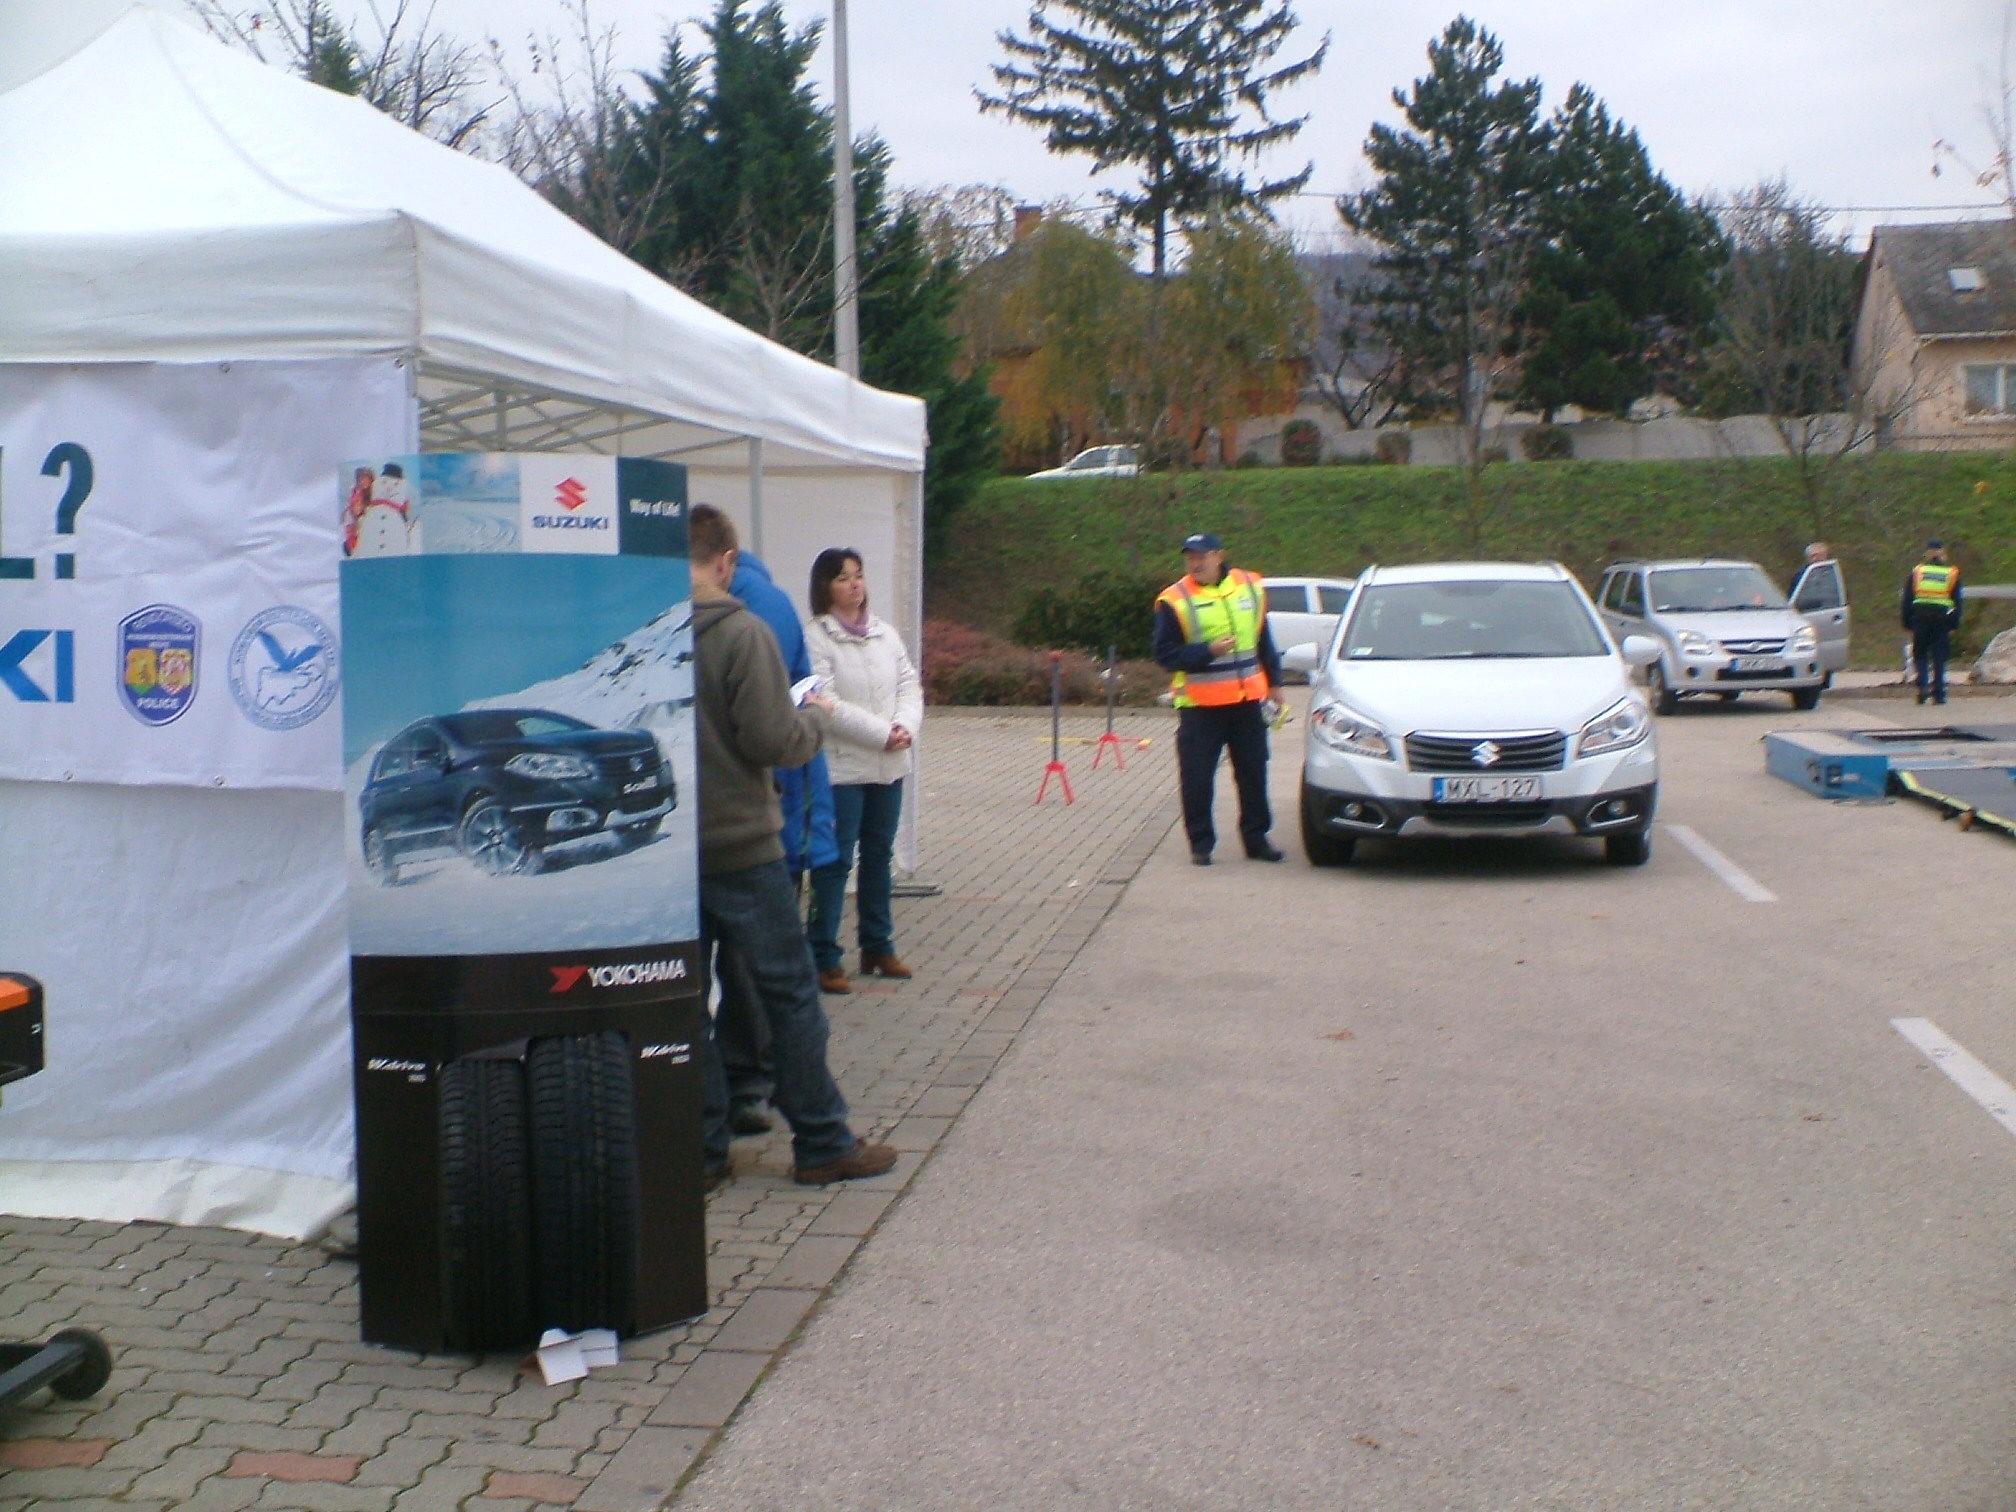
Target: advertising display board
x=520, y=824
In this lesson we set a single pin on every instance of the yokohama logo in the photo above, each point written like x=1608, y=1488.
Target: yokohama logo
x=631, y=974
x=570, y=493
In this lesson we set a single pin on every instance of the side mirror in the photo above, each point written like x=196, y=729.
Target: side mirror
x=1304, y=658
x=1640, y=650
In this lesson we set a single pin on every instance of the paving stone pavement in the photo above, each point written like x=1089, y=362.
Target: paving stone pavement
x=239, y=1380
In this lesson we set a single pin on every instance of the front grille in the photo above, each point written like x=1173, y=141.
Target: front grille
x=1531, y=752
x=1754, y=647
x=630, y=767
x=1487, y=813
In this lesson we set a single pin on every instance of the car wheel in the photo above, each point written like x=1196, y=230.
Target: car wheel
x=1324, y=849
x=1658, y=692
x=584, y=1180
x=489, y=842
x=486, y=1205
x=631, y=836
x=378, y=857
x=1805, y=698
x=1630, y=848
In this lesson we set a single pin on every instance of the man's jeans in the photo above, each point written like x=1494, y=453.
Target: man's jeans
x=755, y=911
x=866, y=812
x=1931, y=644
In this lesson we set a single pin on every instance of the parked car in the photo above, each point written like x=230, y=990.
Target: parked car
x=1304, y=609
x=1475, y=699
x=1098, y=462
x=1722, y=627
x=501, y=786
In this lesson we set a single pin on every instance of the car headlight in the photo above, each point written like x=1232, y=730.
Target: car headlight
x=1693, y=643
x=1624, y=723
x=540, y=764
x=1344, y=729
x=1804, y=642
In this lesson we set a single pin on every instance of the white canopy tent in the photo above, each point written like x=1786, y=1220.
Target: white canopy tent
x=165, y=200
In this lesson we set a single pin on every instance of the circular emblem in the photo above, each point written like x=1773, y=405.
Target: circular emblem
x=283, y=668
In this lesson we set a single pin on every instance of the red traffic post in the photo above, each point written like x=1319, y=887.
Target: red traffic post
x=1109, y=739
x=1055, y=766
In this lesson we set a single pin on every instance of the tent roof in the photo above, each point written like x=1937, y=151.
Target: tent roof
x=164, y=198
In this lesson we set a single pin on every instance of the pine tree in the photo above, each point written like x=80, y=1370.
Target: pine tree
x=1175, y=89
x=743, y=150
x=1623, y=278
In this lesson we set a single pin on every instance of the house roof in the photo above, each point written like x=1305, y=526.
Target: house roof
x=1921, y=260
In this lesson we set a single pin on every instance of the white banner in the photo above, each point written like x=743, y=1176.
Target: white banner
x=168, y=557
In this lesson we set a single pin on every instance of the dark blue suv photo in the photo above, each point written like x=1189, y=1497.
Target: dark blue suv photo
x=501, y=786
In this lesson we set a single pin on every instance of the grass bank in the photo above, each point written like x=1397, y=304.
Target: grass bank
x=1876, y=512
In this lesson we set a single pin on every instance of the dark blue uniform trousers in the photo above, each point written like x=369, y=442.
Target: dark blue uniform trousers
x=1201, y=733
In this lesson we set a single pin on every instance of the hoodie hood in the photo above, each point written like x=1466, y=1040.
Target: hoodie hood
x=707, y=613
x=749, y=566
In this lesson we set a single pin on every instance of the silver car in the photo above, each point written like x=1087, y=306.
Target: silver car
x=1723, y=628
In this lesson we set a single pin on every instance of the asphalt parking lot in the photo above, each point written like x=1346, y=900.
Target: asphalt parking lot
x=1475, y=1175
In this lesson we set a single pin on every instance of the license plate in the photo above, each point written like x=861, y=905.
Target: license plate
x=639, y=787
x=1486, y=789
x=1756, y=664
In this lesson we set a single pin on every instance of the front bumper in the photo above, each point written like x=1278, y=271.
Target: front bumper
x=1714, y=674
x=1598, y=795
x=549, y=822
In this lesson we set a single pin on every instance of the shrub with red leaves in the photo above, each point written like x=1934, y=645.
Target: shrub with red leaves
x=967, y=666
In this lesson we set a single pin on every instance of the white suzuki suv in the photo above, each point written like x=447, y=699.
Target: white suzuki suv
x=1475, y=698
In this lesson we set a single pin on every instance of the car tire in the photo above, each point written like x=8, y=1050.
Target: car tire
x=1658, y=692
x=488, y=842
x=632, y=836
x=378, y=858
x=1805, y=699
x=486, y=1205
x=1321, y=848
x=1632, y=847
x=584, y=1181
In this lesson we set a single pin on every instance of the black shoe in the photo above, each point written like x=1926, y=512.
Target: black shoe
x=1265, y=852
x=748, y=1118
x=1200, y=858
x=1939, y=698
x=712, y=1181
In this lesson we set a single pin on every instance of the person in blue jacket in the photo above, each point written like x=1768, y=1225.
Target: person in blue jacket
x=806, y=796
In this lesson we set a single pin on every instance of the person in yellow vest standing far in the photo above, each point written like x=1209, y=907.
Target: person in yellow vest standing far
x=1211, y=636
x=1931, y=611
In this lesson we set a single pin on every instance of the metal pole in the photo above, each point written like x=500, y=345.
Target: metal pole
x=1056, y=705
x=846, y=271
x=756, y=495
x=1112, y=677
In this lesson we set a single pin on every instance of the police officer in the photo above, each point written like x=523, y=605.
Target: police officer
x=1931, y=610
x=1211, y=635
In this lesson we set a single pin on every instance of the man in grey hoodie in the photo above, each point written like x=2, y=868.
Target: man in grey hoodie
x=747, y=724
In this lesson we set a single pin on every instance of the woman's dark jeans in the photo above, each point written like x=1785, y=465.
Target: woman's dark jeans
x=867, y=813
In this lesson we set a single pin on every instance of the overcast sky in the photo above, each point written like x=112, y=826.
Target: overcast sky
x=1845, y=98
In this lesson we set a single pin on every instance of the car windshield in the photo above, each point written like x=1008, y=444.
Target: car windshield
x=1475, y=618
x=486, y=725
x=1709, y=590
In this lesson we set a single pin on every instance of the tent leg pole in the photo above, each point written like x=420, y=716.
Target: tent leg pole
x=756, y=495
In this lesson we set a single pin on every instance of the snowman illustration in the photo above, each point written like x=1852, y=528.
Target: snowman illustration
x=387, y=527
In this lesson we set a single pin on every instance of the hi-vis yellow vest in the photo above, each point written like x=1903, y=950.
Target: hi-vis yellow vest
x=1932, y=584
x=1236, y=606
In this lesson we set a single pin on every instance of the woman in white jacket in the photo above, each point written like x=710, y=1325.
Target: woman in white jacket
x=878, y=703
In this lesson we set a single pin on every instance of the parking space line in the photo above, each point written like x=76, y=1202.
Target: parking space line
x=1969, y=1075
x=1745, y=885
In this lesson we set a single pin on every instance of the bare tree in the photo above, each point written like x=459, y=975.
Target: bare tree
x=781, y=277
x=401, y=63
x=1359, y=374
x=1785, y=338
x=1998, y=116
x=579, y=140
x=968, y=223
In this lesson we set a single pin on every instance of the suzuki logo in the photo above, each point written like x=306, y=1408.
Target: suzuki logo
x=636, y=763
x=570, y=493
x=59, y=670
x=1485, y=753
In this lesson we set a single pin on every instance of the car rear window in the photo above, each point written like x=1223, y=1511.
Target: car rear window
x=1709, y=590
x=1333, y=599
x=1476, y=618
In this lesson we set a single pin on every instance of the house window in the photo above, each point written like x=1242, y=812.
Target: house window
x=1991, y=390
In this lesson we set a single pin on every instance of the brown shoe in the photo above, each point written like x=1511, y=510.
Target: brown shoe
x=863, y=1160
x=883, y=965
x=833, y=979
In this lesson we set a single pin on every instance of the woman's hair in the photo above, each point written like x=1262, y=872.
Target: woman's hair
x=826, y=566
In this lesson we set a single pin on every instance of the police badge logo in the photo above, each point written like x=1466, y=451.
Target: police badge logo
x=283, y=668
x=157, y=649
